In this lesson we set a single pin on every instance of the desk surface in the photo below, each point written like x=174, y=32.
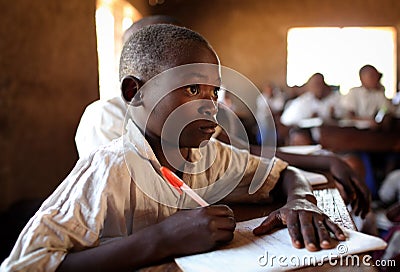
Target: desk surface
x=339, y=139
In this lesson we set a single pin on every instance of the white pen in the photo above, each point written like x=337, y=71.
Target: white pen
x=175, y=181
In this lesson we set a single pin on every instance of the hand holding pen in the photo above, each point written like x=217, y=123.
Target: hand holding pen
x=197, y=230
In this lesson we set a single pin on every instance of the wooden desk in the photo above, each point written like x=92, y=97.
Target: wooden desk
x=340, y=139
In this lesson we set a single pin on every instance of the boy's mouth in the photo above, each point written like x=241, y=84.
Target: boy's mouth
x=208, y=129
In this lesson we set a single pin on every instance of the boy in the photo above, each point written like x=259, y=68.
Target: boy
x=102, y=122
x=364, y=102
x=318, y=100
x=109, y=213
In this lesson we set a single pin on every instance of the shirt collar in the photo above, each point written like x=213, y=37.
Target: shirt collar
x=134, y=138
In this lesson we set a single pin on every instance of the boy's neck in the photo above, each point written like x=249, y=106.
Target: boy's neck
x=168, y=151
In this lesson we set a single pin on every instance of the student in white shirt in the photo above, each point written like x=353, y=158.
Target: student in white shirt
x=365, y=101
x=318, y=101
x=103, y=121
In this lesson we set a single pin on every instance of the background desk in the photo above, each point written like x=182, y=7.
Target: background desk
x=339, y=139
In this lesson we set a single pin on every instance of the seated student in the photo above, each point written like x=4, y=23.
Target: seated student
x=317, y=101
x=110, y=214
x=102, y=122
x=364, y=102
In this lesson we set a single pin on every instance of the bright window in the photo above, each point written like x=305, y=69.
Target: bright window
x=113, y=17
x=339, y=53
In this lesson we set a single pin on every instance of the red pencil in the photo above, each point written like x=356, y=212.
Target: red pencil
x=175, y=181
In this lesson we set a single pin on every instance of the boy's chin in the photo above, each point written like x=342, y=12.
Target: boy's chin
x=196, y=143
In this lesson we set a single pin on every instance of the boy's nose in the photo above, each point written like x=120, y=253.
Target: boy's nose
x=208, y=107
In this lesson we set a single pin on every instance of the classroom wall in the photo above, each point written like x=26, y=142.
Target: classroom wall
x=48, y=73
x=250, y=36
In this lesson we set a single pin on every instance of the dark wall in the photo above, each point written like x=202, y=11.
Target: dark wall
x=48, y=73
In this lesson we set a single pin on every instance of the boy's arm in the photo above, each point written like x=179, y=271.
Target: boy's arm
x=307, y=225
x=357, y=192
x=184, y=233
x=139, y=249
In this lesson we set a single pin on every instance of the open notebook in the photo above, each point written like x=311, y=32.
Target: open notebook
x=273, y=252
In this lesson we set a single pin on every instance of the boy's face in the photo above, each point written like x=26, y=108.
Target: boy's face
x=370, y=78
x=186, y=116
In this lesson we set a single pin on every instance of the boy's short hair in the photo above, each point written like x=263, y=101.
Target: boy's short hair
x=150, y=50
x=369, y=67
x=149, y=20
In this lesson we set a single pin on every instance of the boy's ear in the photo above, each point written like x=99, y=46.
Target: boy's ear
x=129, y=89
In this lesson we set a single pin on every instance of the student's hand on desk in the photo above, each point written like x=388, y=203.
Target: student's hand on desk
x=307, y=225
x=198, y=230
x=355, y=192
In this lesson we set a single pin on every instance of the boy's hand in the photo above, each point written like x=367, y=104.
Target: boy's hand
x=356, y=191
x=307, y=225
x=198, y=230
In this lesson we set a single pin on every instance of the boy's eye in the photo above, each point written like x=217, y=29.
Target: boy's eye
x=193, y=89
x=215, y=92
